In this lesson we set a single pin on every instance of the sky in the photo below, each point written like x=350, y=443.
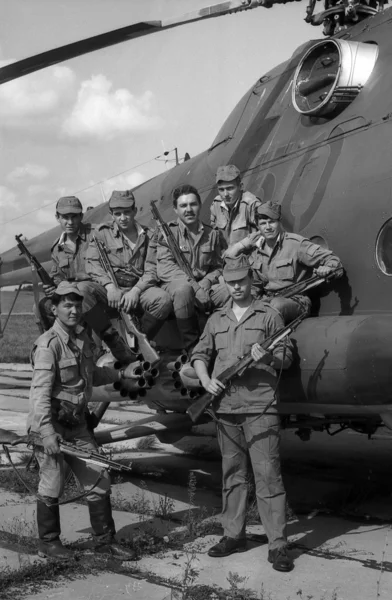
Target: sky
x=106, y=116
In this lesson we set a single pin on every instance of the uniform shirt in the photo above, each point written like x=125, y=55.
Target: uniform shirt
x=292, y=259
x=203, y=253
x=63, y=370
x=237, y=223
x=122, y=256
x=71, y=264
x=225, y=340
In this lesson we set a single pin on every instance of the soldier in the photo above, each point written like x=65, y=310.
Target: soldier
x=63, y=376
x=127, y=242
x=242, y=426
x=69, y=263
x=201, y=247
x=233, y=210
x=280, y=258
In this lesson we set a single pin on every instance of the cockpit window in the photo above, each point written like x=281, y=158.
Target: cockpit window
x=384, y=248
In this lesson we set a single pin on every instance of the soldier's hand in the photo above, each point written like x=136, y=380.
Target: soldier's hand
x=203, y=297
x=233, y=250
x=49, y=290
x=260, y=355
x=213, y=386
x=205, y=284
x=114, y=296
x=130, y=300
x=322, y=271
x=51, y=444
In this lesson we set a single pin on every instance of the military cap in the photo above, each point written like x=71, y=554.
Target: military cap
x=227, y=173
x=68, y=287
x=122, y=199
x=236, y=268
x=69, y=204
x=269, y=209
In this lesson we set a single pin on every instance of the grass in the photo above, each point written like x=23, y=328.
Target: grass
x=18, y=339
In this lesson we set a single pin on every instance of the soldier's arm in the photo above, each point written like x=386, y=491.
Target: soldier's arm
x=212, y=216
x=201, y=360
x=283, y=351
x=41, y=390
x=215, y=269
x=244, y=246
x=149, y=277
x=252, y=218
x=313, y=255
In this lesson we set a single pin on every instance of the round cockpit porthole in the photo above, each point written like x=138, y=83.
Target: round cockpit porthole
x=384, y=248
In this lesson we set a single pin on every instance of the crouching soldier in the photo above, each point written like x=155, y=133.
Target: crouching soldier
x=280, y=259
x=200, y=245
x=243, y=428
x=69, y=263
x=63, y=376
x=126, y=243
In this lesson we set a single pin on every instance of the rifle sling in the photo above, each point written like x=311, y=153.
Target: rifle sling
x=42, y=498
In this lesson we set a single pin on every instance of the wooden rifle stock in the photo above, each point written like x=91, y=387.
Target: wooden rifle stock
x=34, y=262
x=145, y=347
x=196, y=410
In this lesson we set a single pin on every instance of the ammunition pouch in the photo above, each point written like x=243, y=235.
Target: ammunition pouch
x=69, y=415
x=126, y=279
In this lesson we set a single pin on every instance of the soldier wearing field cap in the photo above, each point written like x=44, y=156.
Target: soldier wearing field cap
x=64, y=372
x=242, y=427
x=233, y=210
x=280, y=258
x=127, y=242
x=69, y=264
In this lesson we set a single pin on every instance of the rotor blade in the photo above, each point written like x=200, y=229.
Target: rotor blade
x=52, y=57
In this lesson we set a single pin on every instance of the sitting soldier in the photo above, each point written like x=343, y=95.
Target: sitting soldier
x=201, y=247
x=69, y=263
x=127, y=242
x=280, y=258
x=233, y=210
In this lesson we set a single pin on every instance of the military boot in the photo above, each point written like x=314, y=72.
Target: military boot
x=48, y=521
x=102, y=523
x=151, y=325
x=117, y=345
x=189, y=332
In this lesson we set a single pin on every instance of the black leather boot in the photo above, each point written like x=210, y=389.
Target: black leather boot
x=189, y=332
x=48, y=521
x=151, y=325
x=117, y=345
x=104, y=530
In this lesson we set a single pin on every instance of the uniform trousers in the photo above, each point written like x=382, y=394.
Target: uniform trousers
x=256, y=437
x=52, y=467
x=185, y=299
x=154, y=301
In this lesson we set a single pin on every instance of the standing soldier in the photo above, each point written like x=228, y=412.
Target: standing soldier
x=63, y=376
x=242, y=426
x=127, y=242
x=233, y=210
x=280, y=258
x=201, y=247
x=69, y=264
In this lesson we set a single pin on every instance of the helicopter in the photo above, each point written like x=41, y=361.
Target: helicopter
x=313, y=135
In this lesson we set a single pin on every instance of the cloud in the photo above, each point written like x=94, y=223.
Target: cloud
x=103, y=114
x=30, y=100
x=28, y=170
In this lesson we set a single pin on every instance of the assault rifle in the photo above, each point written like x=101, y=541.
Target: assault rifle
x=172, y=243
x=42, y=273
x=145, y=347
x=13, y=439
x=196, y=409
x=303, y=286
